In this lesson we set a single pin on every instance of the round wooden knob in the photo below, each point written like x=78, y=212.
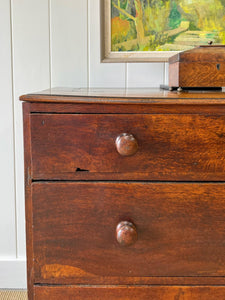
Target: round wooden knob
x=126, y=233
x=126, y=144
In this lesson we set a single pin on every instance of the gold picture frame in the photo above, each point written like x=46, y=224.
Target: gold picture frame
x=107, y=55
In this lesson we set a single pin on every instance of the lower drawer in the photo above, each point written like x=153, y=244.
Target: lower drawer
x=165, y=229
x=131, y=293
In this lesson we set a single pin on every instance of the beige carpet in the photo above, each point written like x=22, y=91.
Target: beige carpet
x=13, y=295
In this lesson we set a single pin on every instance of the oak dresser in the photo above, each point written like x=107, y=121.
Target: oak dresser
x=125, y=194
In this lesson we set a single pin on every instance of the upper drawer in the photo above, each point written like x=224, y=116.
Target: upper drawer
x=167, y=146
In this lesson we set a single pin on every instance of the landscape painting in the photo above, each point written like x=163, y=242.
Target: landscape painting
x=165, y=25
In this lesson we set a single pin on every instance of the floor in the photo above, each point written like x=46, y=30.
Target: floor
x=13, y=295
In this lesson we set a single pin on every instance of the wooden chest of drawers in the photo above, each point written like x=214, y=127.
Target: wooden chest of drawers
x=125, y=194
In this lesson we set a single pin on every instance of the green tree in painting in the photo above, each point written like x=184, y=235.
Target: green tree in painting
x=174, y=16
x=166, y=24
x=137, y=19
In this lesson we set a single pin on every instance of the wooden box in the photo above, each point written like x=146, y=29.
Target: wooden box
x=202, y=67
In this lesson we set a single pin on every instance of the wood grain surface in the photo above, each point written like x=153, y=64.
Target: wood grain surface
x=180, y=229
x=200, y=67
x=202, y=74
x=211, y=107
x=170, y=147
x=28, y=199
x=179, y=252
x=125, y=96
x=206, y=54
x=130, y=293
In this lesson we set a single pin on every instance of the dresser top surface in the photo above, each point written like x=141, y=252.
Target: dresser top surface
x=126, y=96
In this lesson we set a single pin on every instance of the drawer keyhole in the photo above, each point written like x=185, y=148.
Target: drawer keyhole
x=218, y=67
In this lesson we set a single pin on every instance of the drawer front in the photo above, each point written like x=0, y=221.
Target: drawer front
x=171, y=229
x=130, y=292
x=156, y=147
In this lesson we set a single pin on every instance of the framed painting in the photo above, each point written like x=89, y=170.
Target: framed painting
x=154, y=30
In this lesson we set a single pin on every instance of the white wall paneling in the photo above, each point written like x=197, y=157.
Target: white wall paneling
x=68, y=27
x=142, y=75
x=30, y=51
x=101, y=74
x=46, y=43
x=166, y=75
x=30, y=39
x=12, y=273
x=7, y=199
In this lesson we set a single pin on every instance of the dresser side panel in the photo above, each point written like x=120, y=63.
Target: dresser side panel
x=28, y=198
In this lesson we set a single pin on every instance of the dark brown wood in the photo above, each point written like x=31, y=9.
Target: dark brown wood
x=171, y=147
x=161, y=281
x=126, y=144
x=126, y=233
x=68, y=108
x=28, y=197
x=195, y=75
x=178, y=242
x=200, y=67
x=180, y=230
x=206, y=54
x=130, y=292
x=125, y=96
x=202, y=75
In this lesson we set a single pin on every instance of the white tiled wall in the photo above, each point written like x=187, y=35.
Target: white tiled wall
x=43, y=44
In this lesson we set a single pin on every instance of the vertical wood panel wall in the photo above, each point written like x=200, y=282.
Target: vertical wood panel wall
x=43, y=44
x=8, y=233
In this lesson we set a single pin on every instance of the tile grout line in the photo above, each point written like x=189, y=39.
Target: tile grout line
x=14, y=129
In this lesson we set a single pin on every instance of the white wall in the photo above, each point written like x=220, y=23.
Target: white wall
x=43, y=44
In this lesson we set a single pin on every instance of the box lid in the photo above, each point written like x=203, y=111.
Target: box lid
x=206, y=53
